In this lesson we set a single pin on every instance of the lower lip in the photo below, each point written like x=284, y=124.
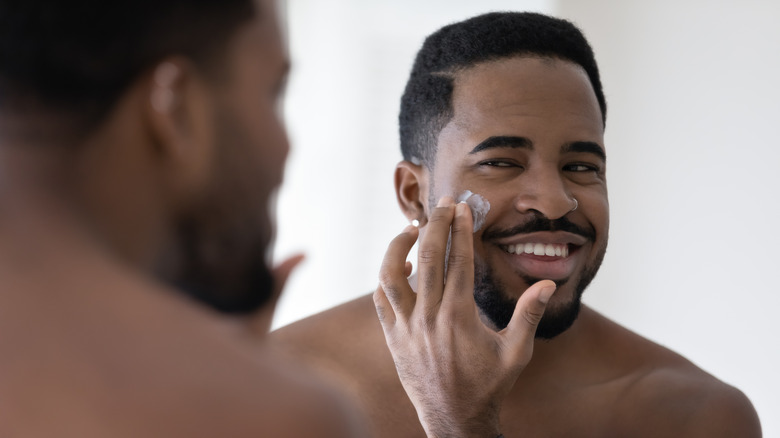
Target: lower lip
x=544, y=267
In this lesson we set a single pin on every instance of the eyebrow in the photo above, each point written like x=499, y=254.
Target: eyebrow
x=588, y=147
x=513, y=142
x=503, y=141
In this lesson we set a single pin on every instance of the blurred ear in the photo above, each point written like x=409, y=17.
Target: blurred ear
x=180, y=114
x=411, y=190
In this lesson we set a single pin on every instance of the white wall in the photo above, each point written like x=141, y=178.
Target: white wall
x=694, y=108
x=693, y=105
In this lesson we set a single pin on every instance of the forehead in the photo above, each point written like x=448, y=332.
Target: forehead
x=541, y=99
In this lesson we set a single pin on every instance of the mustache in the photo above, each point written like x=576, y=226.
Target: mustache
x=540, y=223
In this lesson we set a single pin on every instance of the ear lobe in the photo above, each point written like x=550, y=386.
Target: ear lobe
x=180, y=123
x=411, y=190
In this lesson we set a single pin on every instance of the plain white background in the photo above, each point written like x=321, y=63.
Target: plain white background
x=693, y=90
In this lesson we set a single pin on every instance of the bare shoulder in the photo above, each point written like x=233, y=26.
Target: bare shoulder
x=178, y=371
x=286, y=393
x=344, y=331
x=346, y=346
x=667, y=395
x=683, y=400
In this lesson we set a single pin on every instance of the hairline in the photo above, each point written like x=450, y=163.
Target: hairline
x=452, y=74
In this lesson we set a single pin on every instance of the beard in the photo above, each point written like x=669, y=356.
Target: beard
x=226, y=272
x=495, y=303
x=220, y=250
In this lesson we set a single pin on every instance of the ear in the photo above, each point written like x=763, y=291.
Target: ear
x=180, y=119
x=411, y=190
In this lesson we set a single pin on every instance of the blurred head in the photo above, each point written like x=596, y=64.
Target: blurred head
x=510, y=106
x=166, y=112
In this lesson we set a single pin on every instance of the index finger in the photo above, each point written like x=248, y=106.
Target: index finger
x=432, y=252
x=459, y=287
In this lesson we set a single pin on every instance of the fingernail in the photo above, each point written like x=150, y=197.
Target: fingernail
x=462, y=209
x=546, y=293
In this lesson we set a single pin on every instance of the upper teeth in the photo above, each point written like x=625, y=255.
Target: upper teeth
x=545, y=249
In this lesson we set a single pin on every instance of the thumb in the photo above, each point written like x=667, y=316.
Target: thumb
x=528, y=312
x=281, y=273
x=261, y=322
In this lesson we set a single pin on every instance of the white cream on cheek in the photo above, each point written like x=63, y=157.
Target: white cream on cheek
x=479, y=207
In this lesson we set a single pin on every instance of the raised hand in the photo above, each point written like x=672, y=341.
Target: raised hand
x=260, y=323
x=454, y=368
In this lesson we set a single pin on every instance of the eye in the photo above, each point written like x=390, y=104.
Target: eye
x=499, y=163
x=581, y=167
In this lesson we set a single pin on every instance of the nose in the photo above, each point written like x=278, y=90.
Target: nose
x=544, y=192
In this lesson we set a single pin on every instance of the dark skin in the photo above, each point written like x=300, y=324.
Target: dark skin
x=433, y=365
x=93, y=343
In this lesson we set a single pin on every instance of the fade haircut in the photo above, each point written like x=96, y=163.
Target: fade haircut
x=426, y=105
x=75, y=58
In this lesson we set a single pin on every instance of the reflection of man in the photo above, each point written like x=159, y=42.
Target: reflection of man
x=510, y=107
x=139, y=147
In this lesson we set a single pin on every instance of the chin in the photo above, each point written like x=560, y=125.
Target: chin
x=498, y=305
x=559, y=318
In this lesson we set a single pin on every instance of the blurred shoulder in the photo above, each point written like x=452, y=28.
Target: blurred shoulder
x=297, y=403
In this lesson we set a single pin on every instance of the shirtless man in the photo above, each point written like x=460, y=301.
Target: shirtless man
x=509, y=106
x=139, y=148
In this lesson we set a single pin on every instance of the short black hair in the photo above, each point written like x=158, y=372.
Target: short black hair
x=426, y=105
x=76, y=57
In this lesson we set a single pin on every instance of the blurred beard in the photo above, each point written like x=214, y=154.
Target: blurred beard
x=227, y=273
x=221, y=245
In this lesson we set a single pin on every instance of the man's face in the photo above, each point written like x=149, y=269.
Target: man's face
x=527, y=134
x=224, y=239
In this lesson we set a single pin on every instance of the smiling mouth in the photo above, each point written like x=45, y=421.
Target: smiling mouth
x=538, y=249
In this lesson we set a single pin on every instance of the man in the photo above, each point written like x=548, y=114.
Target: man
x=509, y=106
x=139, y=148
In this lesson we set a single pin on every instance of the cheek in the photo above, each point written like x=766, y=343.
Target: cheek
x=264, y=146
x=272, y=138
x=598, y=210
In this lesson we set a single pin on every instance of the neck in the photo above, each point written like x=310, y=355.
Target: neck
x=562, y=357
x=40, y=206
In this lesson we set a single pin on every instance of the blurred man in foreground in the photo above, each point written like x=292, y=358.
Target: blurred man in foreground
x=508, y=106
x=140, y=146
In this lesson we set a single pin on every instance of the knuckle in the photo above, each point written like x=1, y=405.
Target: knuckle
x=441, y=214
x=377, y=296
x=381, y=313
x=533, y=316
x=386, y=278
x=459, y=259
x=430, y=255
x=426, y=322
x=460, y=227
x=392, y=295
